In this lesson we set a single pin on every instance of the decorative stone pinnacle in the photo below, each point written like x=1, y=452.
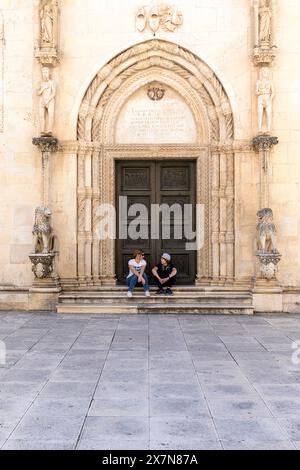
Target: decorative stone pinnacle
x=264, y=142
x=46, y=143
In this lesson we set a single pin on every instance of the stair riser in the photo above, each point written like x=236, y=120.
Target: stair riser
x=159, y=310
x=168, y=301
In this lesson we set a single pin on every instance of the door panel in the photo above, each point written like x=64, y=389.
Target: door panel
x=156, y=182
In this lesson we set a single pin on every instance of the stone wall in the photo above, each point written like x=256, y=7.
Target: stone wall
x=91, y=33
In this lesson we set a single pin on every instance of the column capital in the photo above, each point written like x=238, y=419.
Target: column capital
x=264, y=142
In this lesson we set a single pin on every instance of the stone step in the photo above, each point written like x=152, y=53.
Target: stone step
x=139, y=298
x=157, y=308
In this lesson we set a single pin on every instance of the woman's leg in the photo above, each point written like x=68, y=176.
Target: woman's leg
x=158, y=283
x=146, y=285
x=132, y=282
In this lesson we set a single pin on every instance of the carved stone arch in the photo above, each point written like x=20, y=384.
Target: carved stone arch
x=161, y=53
x=204, y=94
x=107, y=114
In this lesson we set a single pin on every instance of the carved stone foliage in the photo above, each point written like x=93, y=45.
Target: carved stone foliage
x=46, y=50
x=46, y=143
x=42, y=265
x=264, y=142
x=162, y=59
x=2, y=43
x=158, y=18
x=268, y=265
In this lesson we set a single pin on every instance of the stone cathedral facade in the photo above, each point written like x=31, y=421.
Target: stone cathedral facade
x=189, y=102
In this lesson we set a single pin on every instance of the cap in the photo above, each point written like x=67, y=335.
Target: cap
x=166, y=256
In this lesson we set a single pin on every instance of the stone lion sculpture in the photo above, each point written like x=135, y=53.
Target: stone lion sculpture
x=43, y=238
x=266, y=232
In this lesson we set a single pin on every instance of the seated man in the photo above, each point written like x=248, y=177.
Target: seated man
x=165, y=275
x=136, y=275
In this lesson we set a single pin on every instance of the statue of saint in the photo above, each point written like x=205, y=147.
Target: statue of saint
x=265, y=93
x=47, y=94
x=47, y=19
x=265, y=18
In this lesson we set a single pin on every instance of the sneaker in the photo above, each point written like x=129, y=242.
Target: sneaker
x=129, y=294
x=147, y=294
x=160, y=292
x=169, y=291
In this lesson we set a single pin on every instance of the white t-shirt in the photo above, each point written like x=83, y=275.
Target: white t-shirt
x=137, y=266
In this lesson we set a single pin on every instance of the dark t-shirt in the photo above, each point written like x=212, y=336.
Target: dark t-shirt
x=164, y=271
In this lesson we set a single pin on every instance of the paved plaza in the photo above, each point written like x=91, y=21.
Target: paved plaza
x=149, y=382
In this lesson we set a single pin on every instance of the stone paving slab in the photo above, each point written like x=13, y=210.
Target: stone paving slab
x=171, y=382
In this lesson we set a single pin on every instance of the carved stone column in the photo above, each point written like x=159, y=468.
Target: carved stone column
x=47, y=146
x=81, y=214
x=230, y=238
x=88, y=217
x=215, y=214
x=96, y=158
x=223, y=217
x=263, y=144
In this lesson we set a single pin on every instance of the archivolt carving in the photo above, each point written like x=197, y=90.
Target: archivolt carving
x=169, y=57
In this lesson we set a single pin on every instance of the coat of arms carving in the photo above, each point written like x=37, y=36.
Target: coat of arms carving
x=159, y=17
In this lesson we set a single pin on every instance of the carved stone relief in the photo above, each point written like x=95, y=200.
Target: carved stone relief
x=158, y=17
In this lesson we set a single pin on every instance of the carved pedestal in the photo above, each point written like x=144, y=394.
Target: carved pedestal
x=268, y=263
x=46, y=286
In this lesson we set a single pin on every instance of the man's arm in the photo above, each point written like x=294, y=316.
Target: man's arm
x=173, y=273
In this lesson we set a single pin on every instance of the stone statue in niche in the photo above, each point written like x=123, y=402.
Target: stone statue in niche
x=266, y=232
x=47, y=22
x=43, y=240
x=47, y=93
x=265, y=19
x=265, y=93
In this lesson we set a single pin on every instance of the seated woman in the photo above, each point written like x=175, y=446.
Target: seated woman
x=165, y=275
x=137, y=275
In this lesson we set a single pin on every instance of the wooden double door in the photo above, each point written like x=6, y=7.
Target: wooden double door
x=155, y=183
